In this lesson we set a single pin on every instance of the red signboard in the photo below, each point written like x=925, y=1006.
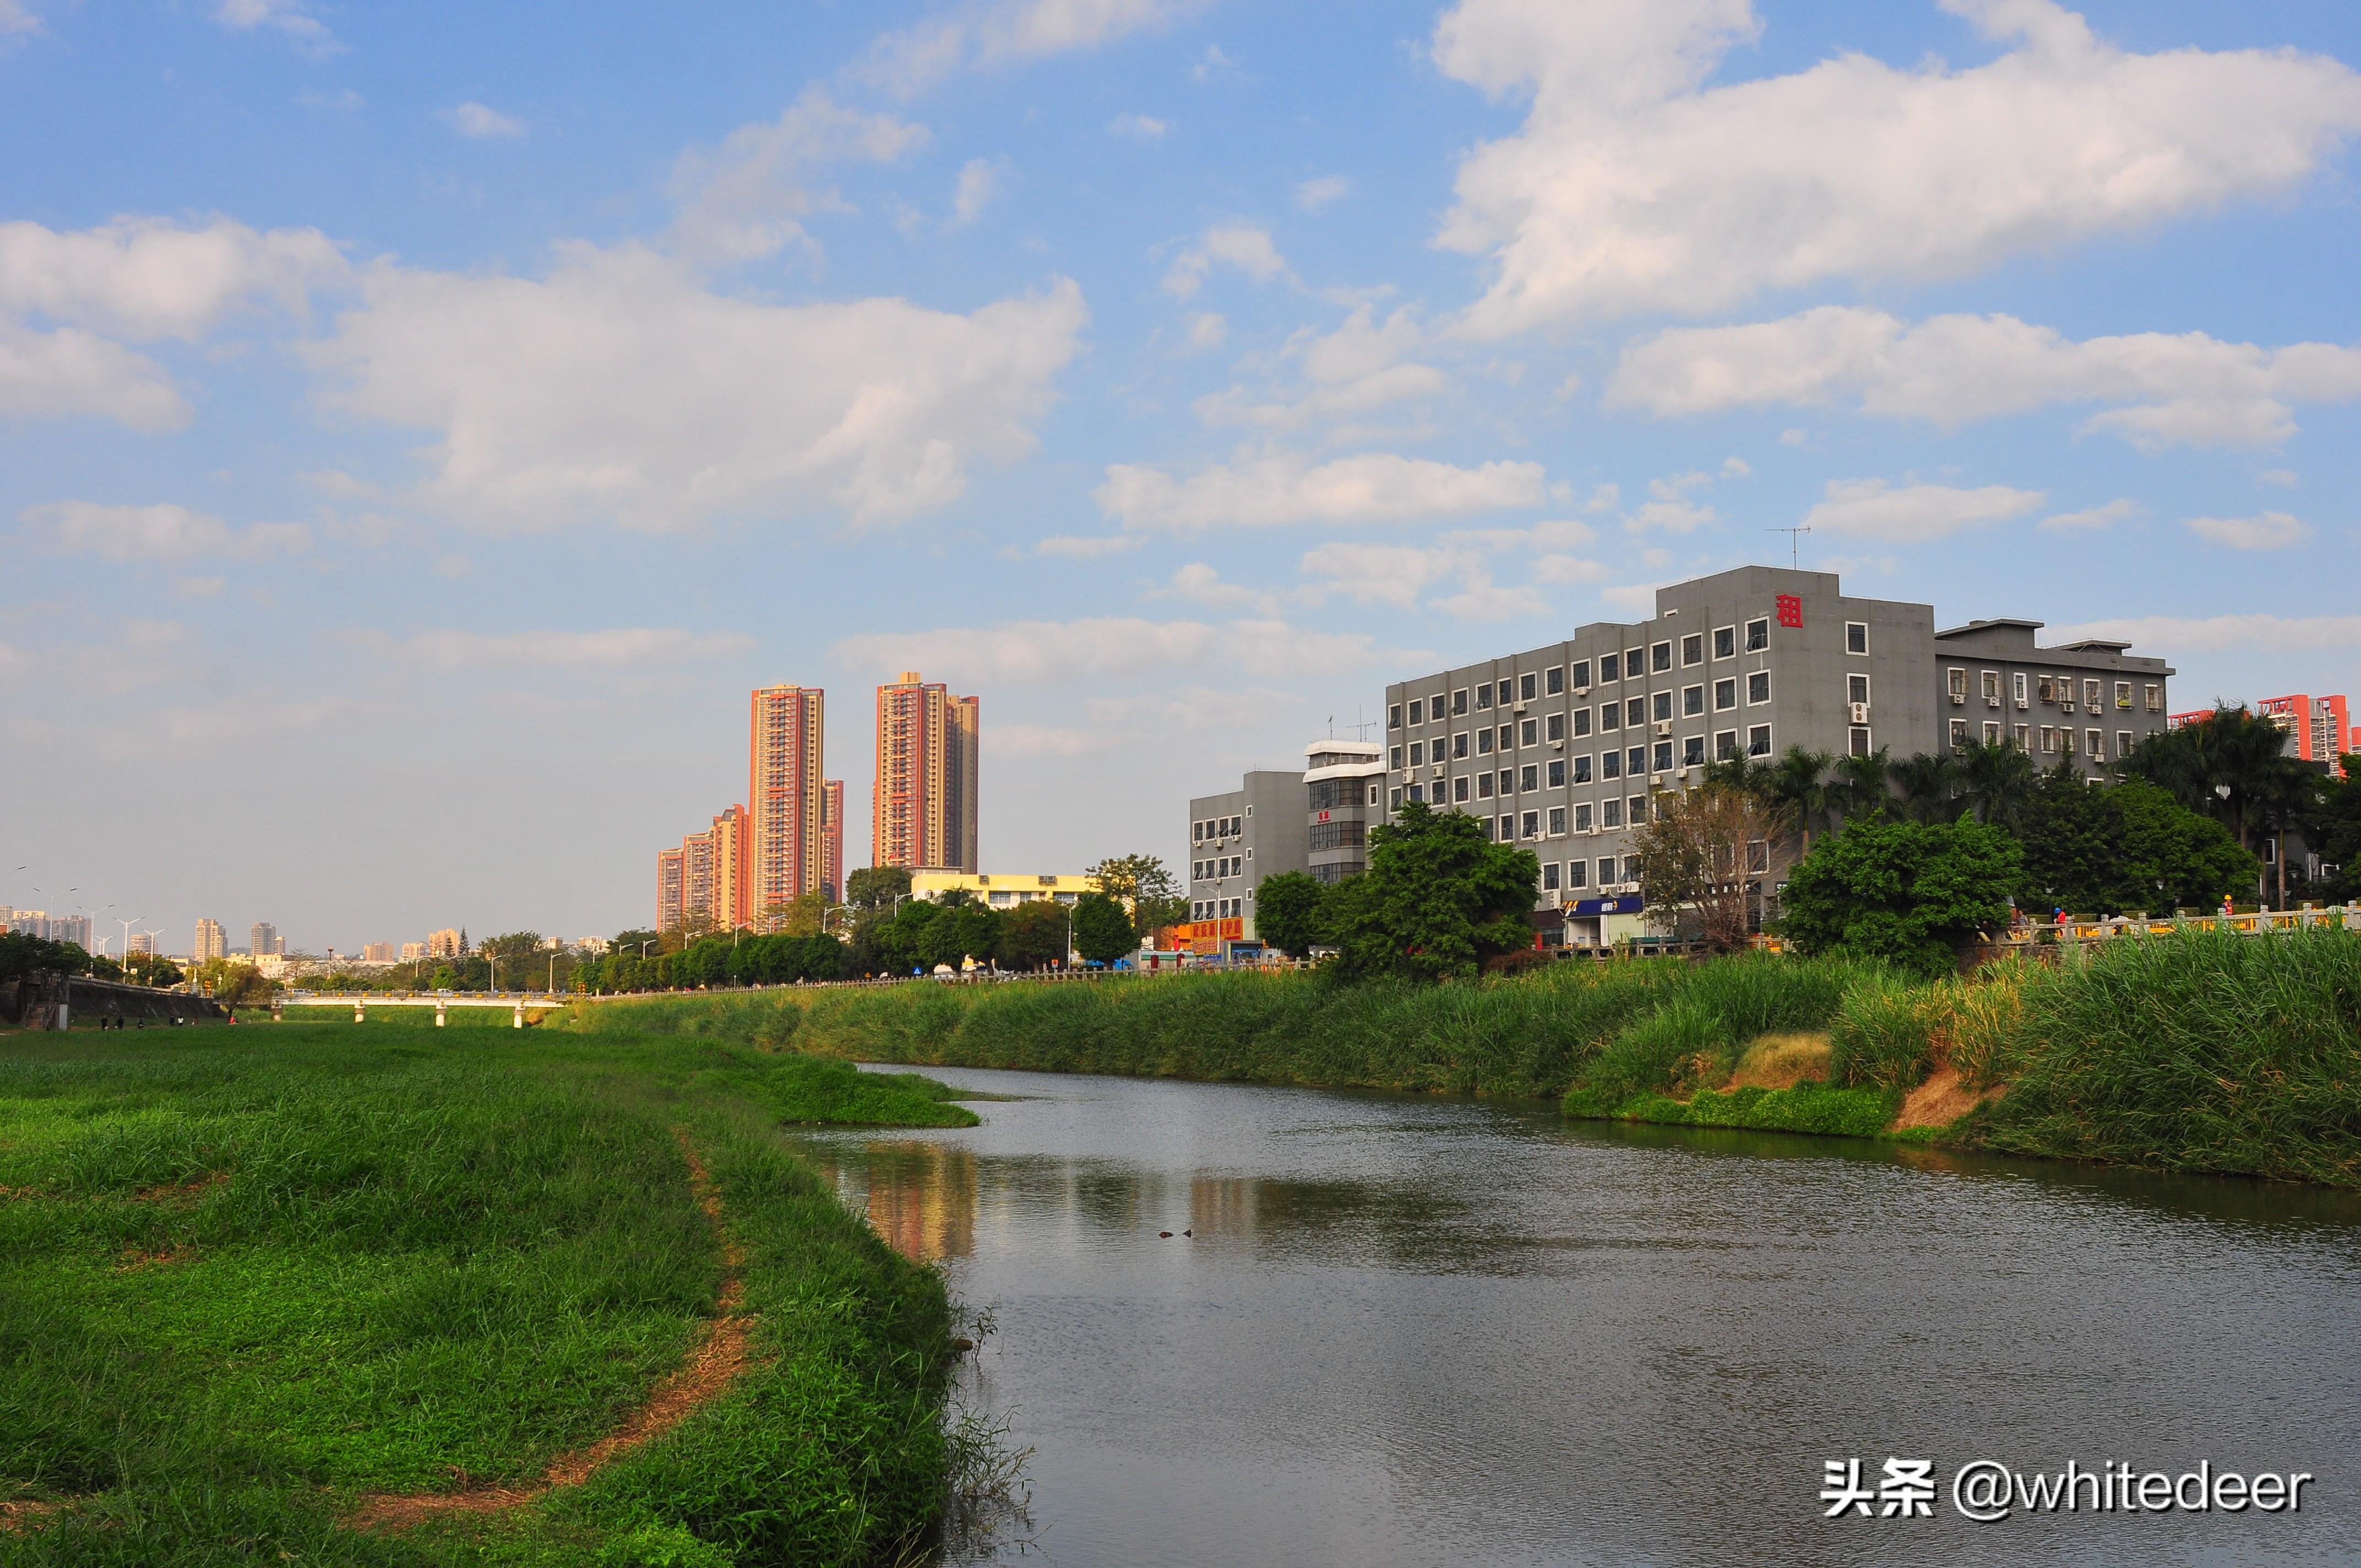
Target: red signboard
x=1791, y=610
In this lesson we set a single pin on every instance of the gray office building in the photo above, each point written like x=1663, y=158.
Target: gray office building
x=1344, y=785
x=1560, y=748
x=2086, y=703
x=1235, y=840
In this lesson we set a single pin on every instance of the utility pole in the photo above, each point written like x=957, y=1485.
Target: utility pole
x=1794, y=548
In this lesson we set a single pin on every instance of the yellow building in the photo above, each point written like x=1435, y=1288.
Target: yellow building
x=1003, y=890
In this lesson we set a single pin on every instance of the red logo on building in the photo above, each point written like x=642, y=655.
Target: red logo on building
x=1791, y=610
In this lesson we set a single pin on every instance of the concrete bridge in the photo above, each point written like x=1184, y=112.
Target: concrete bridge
x=443, y=1001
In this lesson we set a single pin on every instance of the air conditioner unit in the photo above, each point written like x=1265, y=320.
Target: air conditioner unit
x=1663, y=726
x=1858, y=712
x=1557, y=745
x=1438, y=770
x=1682, y=772
x=1582, y=691
x=1992, y=702
x=1959, y=699
x=1551, y=899
x=2022, y=704
x=1518, y=709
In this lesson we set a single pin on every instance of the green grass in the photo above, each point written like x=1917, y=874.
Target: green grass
x=392, y=1258
x=1809, y=1107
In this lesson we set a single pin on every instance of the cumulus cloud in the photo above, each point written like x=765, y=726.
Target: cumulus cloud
x=293, y=17
x=69, y=372
x=992, y=34
x=15, y=16
x=2225, y=634
x=145, y=279
x=747, y=197
x=161, y=532
x=1200, y=583
x=2270, y=530
x=1241, y=246
x=475, y=120
x=1073, y=548
x=2094, y=517
x=1400, y=574
x=1632, y=186
x=2186, y=387
x=1067, y=653
x=1137, y=128
x=1373, y=487
x=1313, y=194
x=1207, y=329
x=623, y=648
x=619, y=386
x=979, y=185
x=1909, y=515
x=1359, y=366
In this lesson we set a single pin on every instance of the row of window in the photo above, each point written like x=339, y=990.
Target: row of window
x=1658, y=756
x=1339, y=835
x=2028, y=688
x=1225, y=865
x=2055, y=740
x=1329, y=794
x=1634, y=713
x=1217, y=909
x=1214, y=827
x=1630, y=664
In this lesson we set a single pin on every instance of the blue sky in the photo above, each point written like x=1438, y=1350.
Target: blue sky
x=419, y=426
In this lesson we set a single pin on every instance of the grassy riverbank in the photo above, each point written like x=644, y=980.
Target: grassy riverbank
x=266, y=1282
x=2194, y=1051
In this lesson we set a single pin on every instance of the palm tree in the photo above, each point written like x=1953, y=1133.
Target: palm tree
x=2240, y=754
x=1863, y=784
x=1797, y=783
x=1996, y=781
x=1928, y=784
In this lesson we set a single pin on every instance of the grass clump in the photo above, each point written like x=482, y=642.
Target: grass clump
x=1809, y=1107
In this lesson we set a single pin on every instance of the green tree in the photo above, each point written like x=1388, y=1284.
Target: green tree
x=1911, y=893
x=22, y=956
x=2190, y=860
x=1438, y=899
x=1144, y=886
x=1996, y=779
x=961, y=930
x=2335, y=829
x=876, y=887
x=2074, y=842
x=1798, y=788
x=517, y=960
x=1103, y=930
x=1032, y=934
x=1288, y=911
x=1865, y=784
x=1929, y=786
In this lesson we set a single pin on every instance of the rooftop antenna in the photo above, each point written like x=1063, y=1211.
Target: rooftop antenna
x=1795, y=545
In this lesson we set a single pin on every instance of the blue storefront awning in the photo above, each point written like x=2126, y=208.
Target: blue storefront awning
x=1630, y=904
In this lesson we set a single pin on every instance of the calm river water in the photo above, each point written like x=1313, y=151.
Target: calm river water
x=1424, y=1331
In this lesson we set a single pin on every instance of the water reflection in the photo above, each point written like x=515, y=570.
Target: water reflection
x=1397, y=1330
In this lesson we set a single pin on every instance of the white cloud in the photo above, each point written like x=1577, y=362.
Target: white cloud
x=1352, y=370
x=1736, y=467
x=1137, y=128
x=619, y=386
x=1397, y=574
x=1048, y=740
x=746, y=197
x=1212, y=62
x=198, y=588
x=628, y=647
x=2168, y=635
x=475, y=120
x=1376, y=486
x=1792, y=437
x=1243, y=246
x=16, y=17
x=291, y=17
x=2270, y=530
x=979, y=185
x=1200, y=583
x=147, y=277
x=1312, y=196
x=47, y=375
x=1914, y=513
x=1670, y=516
x=990, y=34
x=1207, y=329
x=2094, y=517
x=1066, y=652
x=1633, y=187
x=162, y=533
x=2188, y=388
x=2285, y=478
x=1073, y=548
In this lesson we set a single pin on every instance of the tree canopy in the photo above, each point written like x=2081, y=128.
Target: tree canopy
x=1438, y=899
x=1912, y=892
x=1103, y=929
x=1288, y=912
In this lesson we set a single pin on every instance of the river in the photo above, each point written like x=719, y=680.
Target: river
x=1417, y=1331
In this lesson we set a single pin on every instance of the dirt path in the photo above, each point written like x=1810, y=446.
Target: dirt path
x=719, y=1356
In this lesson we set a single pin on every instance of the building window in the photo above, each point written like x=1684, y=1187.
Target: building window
x=1610, y=716
x=2124, y=695
x=2019, y=684
x=1582, y=816
x=1556, y=774
x=2022, y=744
x=1506, y=781
x=1611, y=668
x=1725, y=641
x=1578, y=874
x=2123, y=744
x=1635, y=761
x=1606, y=871
x=1635, y=712
x=1507, y=829
x=1459, y=701
x=1758, y=689
x=1503, y=691
x=1693, y=649
x=2095, y=744
x=1418, y=792
x=1531, y=732
x=1582, y=769
x=1857, y=688
x=1857, y=740
x=1610, y=815
x=1418, y=753
x=2155, y=697
x=1557, y=821
x=1459, y=744
x=1725, y=695
x=2090, y=695
x=1611, y=764
x=1484, y=741
x=1991, y=732
x=1394, y=798
x=1664, y=706
x=1554, y=681
x=1856, y=636
x=1661, y=656
x=1549, y=876
x=1529, y=777
x=2049, y=739
x=1724, y=745
x=1633, y=668
x=1758, y=636
x=1483, y=697
x=1581, y=722
x=1663, y=758
x=1758, y=857
x=1483, y=785
x=1553, y=727
x=1758, y=741
x=1957, y=683
x=1508, y=736
x=1959, y=733
x=1692, y=752
x=1992, y=688
x=1418, y=711
x=1394, y=758
x=1393, y=716
x=1532, y=823
x=1197, y=832
x=1636, y=808
x=2066, y=738
x=1692, y=701
x=2048, y=689
x=1525, y=688
x=1459, y=788
x=1581, y=674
